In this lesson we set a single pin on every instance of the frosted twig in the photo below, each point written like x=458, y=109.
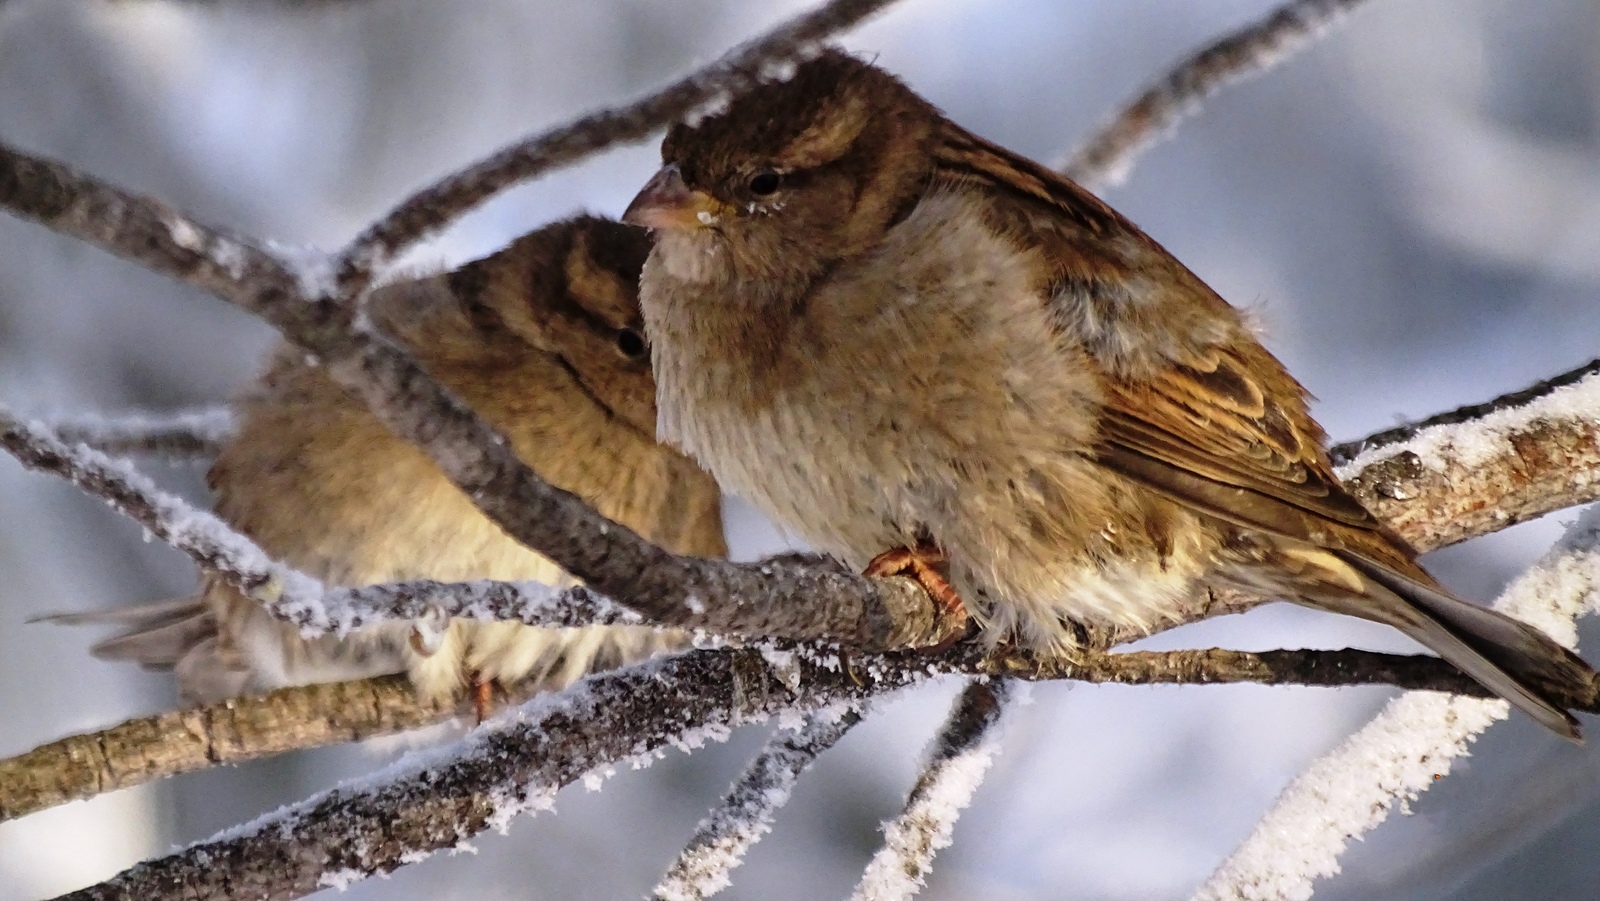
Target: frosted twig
x=744, y=67
x=190, y=435
x=439, y=799
x=1398, y=755
x=207, y=540
x=960, y=758
x=1104, y=160
x=746, y=812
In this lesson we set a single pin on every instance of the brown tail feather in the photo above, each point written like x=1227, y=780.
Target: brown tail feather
x=1510, y=658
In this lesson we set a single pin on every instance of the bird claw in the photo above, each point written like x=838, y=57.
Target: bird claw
x=482, y=697
x=925, y=565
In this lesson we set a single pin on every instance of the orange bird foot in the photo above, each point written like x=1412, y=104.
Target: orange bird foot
x=482, y=697
x=926, y=565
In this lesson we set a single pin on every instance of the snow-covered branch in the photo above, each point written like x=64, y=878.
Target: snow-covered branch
x=960, y=758
x=766, y=58
x=1398, y=755
x=1105, y=159
x=1486, y=467
x=746, y=811
x=514, y=764
x=186, y=436
x=207, y=540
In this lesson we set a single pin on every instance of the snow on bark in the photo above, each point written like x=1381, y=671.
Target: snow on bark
x=1398, y=755
x=182, y=436
x=747, y=810
x=960, y=758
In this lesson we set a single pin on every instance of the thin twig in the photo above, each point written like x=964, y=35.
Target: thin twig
x=1104, y=160
x=740, y=69
x=206, y=540
x=960, y=758
x=183, y=437
x=746, y=811
x=252, y=727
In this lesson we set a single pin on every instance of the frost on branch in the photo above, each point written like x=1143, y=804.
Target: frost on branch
x=747, y=810
x=1398, y=755
x=434, y=800
x=190, y=435
x=960, y=758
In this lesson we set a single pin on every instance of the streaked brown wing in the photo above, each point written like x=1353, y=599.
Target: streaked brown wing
x=1224, y=431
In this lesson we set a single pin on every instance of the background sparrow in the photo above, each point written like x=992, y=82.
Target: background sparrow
x=924, y=353
x=544, y=340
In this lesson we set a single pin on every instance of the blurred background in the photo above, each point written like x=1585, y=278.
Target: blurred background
x=1412, y=208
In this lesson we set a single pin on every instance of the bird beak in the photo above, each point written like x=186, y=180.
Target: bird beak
x=666, y=202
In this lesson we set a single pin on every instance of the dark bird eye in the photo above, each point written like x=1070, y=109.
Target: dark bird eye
x=630, y=343
x=765, y=182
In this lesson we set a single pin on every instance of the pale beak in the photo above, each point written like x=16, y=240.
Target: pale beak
x=666, y=202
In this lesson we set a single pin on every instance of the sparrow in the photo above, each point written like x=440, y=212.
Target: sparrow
x=544, y=340
x=925, y=354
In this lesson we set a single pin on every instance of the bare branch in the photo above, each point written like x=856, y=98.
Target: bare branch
x=1105, y=159
x=615, y=715
x=960, y=758
x=187, y=436
x=140, y=750
x=740, y=69
x=746, y=812
x=145, y=749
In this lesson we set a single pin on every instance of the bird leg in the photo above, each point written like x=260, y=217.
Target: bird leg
x=482, y=696
x=927, y=565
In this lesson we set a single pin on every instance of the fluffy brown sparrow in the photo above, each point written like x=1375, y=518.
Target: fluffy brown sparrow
x=544, y=340
x=924, y=353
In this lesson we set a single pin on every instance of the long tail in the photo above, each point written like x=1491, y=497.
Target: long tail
x=178, y=635
x=156, y=636
x=1510, y=658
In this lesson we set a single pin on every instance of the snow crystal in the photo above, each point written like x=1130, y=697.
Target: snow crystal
x=1350, y=790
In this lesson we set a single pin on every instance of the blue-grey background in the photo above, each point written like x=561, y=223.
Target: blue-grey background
x=1412, y=207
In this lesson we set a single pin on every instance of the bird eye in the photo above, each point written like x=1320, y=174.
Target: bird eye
x=765, y=182
x=630, y=343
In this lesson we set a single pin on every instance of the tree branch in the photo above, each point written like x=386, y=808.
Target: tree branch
x=435, y=800
x=206, y=540
x=597, y=722
x=236, y=730
x=429, y=210
x=960, y=758
x=1105, y=159
x=746, y=811
x=188, y=436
